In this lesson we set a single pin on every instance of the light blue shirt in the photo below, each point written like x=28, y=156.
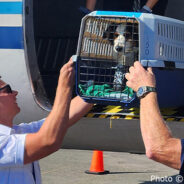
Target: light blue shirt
x=12, y=168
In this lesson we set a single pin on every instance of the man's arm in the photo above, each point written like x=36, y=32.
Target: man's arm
x=151, y=3
x=159, y=143
x=147, y=8
x=49, y=138
x=78, y=108
x=90, y=4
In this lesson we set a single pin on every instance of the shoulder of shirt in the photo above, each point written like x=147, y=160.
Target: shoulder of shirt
x=5, y=130
x=20, y=127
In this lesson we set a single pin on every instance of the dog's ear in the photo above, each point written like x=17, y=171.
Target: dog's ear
x=109, y=33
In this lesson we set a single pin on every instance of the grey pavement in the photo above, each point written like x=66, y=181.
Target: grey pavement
x=67, y=166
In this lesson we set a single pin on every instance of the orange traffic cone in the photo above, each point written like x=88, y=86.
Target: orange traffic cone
x=97, y=166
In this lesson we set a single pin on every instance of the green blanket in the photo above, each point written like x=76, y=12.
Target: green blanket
x=105, y=91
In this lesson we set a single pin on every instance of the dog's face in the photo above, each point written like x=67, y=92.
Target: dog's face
x=121, y=37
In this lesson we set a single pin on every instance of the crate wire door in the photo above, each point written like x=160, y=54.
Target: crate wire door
x=108, y=47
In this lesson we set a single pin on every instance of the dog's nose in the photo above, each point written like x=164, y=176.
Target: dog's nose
x=118, y=48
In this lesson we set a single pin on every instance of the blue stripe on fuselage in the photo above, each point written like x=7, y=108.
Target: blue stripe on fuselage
x=11, y=38
x=11, y=8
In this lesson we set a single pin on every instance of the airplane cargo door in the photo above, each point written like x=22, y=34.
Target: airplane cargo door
x=52, y=29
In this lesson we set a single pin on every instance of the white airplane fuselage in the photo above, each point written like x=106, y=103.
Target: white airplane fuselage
x=16, y=69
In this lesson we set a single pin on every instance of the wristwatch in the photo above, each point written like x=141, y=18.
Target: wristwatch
x=144, y=90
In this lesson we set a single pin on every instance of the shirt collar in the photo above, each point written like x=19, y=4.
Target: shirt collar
x=5, y=130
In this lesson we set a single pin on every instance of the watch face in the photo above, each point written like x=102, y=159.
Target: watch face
x=140, y=92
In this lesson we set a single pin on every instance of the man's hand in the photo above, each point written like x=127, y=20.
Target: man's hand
x=138, y=77
x=66, y=78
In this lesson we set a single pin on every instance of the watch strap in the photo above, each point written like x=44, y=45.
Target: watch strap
x=150, y=89
x=145, y=91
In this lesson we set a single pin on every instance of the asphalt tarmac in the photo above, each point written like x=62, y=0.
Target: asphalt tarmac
x=68, y=166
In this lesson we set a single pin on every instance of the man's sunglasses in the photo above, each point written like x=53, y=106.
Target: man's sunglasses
x=6, y=89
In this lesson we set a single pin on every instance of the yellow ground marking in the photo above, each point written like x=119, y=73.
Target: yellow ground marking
x=90, y=115
x=103, y=116
x=112, y=109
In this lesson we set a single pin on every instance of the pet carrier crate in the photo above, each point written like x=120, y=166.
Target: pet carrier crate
x=110, y=42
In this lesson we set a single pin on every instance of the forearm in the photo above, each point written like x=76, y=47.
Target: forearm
x=159, y=143
x=49, y=138
x=78, y=108
x=55, y=125
x=154, y=129
x=151, y=3
x=90, y=4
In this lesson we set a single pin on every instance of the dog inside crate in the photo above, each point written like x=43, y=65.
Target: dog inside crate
x=109, y=47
